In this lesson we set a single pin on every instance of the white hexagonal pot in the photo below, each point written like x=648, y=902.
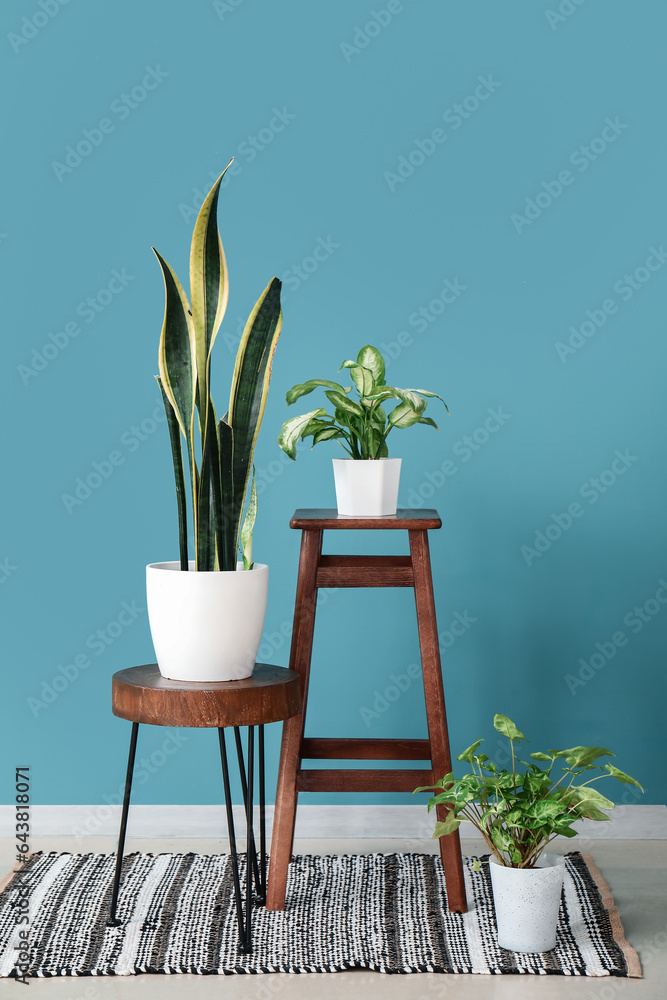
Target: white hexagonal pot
x=206, y=626
x=527, y=901
x=367, y=487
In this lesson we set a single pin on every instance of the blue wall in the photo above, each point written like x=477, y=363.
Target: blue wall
x=517, y=152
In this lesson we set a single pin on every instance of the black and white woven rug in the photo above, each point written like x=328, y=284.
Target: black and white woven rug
x=382, y=912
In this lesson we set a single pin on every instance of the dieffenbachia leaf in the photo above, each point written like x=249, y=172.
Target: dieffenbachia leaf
x=344, y=403
x=369, y=357
x=293, y=428
x=303, y=388
x=362, y=377
x=433, y=395
x=403, y=416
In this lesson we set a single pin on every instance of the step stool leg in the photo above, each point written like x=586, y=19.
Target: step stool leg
x=284, y=817
x=450, y=846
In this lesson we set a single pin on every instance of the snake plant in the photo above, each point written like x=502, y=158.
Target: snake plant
x=219, y=451
x=360, y=425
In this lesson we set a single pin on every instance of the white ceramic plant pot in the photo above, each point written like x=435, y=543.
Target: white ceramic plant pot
x=527, y=901
x=367, y=488
x=206, y=626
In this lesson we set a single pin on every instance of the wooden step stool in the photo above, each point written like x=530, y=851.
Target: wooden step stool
x=317, y=570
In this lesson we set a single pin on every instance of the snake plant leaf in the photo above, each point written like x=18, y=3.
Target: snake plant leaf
x=370, y=357
x=209, y=287
x=303, y=388
x=362, y=377
x=344, y=403
x=209, y=501
x=227, y=556
x=622, y=776
x=176, y=354
x=403, y=416
x=250, y=387
x=431, y=395
x=248, y=525
x=293, y=428
x=177, y=462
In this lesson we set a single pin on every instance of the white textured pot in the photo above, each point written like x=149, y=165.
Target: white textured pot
x=527, y=901
x=206, y=626
x=367, y=488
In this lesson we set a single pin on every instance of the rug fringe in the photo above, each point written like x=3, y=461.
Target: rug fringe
x=17, y=867
x=631, y=956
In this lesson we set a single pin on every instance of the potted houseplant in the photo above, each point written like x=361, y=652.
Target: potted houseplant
x=518, y=813
x=207, y=614
x=367, y=481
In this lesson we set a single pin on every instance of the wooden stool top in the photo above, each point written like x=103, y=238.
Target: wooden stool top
x=142, y=694
x=318, y=519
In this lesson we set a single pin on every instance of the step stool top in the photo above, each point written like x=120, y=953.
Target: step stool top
x=326, y=518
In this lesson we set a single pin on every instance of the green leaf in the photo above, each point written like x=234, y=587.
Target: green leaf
x=449, y=826
x=431, y=395
x=415, y=402
x=361, y=376
x=466, y=754
x=303, y=388
x=582, y=756
x=369, y=357
x=344, y=403
x=622, y=776
x=227, y=558
x=327, y=433
x=403, y=416
x=177, y=461
x=209, y=503
x=176, y=353
x=506, y=727
x=427, y=420
x=248, y=526
x=544, y=809
x=209, y=287
x=250, y=387
x=292, y=430
x=538, y=755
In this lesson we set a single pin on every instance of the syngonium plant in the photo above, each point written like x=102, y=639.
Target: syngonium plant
x=360, y=425
x=219, y=452
x=518, y=812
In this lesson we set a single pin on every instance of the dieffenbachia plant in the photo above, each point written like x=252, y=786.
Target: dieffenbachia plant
x=219, y=452
x=519, y=812
x=361, y=425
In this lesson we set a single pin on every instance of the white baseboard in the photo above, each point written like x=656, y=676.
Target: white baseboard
x=633, y=822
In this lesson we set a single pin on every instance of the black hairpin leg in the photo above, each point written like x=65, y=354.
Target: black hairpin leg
x=251, y=857
x=245, y=943
x=252, y=849
x=262, y=818
x=113, y=920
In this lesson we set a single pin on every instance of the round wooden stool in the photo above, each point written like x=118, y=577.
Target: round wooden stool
x=271, y=694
